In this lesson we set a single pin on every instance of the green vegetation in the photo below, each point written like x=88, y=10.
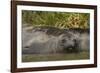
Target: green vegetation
x=55, y=57
x=56, y=19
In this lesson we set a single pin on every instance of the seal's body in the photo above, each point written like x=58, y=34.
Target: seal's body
x=46, y=40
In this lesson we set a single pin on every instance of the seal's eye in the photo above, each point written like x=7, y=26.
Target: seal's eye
x=63, y=40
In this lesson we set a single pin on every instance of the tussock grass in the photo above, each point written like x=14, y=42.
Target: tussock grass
x=56, y=19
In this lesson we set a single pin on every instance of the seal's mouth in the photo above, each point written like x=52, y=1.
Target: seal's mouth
x=71, y=49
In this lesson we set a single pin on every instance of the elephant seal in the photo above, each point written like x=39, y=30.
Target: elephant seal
x=49, y=40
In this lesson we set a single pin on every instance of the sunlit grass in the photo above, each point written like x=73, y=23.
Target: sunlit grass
x=56, y=19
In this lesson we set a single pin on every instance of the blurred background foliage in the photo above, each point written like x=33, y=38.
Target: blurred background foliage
x=56, y=19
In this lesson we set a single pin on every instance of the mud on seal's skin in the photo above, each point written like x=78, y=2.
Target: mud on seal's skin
x=46, y=40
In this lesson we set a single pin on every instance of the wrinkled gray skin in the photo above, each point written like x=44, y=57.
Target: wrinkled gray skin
x=49, y=40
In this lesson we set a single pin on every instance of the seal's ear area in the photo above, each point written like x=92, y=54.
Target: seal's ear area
x=74, y=35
